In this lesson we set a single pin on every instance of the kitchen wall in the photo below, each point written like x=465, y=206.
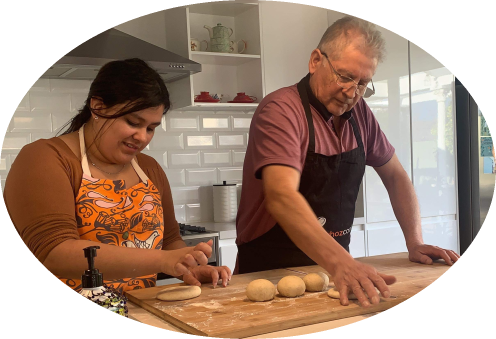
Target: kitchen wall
x=195, y=149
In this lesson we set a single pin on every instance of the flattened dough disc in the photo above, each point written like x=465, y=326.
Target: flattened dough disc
x=179, y=293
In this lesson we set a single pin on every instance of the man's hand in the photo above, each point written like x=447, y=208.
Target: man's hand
x=204, y=274
x=425, y=254
x=353, y=276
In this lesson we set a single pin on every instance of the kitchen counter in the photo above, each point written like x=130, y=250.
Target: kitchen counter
x=234, y=316
x=226, y=230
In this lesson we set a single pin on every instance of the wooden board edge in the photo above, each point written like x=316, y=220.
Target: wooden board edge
x=162, y=315
x=310, y=320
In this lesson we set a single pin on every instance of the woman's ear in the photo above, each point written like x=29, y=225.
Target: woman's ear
x=316, y=59
x=96, y=104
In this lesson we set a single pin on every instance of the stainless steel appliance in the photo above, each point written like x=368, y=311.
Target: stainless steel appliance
x=193, y=235
x=476, y=166
x=84, y=61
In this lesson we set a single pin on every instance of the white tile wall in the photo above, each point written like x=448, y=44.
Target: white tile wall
x=216, y=158
x=196, y=149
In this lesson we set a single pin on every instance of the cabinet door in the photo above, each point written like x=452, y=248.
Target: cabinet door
x=433, y=138
x=441, y=231
x=357, y=244
x=228, y=252
x=385, y=239
x=290, y=32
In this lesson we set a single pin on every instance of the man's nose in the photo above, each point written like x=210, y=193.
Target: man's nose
x=350, y=92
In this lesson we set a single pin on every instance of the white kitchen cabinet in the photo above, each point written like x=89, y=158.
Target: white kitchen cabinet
x=228, y=252
x=385, y=238
x=224, y=74
x=434, y=166
x=441, y=231
x=357, y=243
x=289, y=34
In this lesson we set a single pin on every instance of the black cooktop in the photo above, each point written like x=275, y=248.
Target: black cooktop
x=185, y=229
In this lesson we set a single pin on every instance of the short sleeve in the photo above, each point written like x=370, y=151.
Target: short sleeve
x=39, y=196
x=379, y=150
x=277, y=133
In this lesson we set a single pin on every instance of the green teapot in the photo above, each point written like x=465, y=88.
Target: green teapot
x=219, y=38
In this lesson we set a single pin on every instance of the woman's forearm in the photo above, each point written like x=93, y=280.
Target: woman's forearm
x=67, y=260
x=175, y=245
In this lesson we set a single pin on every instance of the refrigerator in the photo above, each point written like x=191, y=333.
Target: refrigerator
x=476, y=166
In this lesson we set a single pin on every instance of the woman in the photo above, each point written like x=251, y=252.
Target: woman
x=92, y=186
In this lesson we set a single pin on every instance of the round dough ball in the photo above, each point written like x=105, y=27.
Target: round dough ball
x=316, y=282
x=291, y=286
x=179, y=293
x=260, y=290
x=334, y=293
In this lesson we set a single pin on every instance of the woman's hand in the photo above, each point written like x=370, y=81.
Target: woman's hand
x=204, y=274
x=182, y=261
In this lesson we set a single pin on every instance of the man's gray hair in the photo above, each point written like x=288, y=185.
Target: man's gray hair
x=350, y=30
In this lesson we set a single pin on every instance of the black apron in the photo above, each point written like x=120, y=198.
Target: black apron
x=330, y=184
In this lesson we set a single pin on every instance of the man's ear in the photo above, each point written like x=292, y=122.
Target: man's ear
x=316, y=58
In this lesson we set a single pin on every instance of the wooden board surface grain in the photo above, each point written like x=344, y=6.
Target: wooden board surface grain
x=227, y=312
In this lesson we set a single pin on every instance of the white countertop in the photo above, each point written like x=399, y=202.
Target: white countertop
x=226, y=230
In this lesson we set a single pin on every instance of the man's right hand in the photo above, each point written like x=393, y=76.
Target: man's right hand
x=351, y=276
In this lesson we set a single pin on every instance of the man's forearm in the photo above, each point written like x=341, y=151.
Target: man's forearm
x=297, y=219
x=406, y=208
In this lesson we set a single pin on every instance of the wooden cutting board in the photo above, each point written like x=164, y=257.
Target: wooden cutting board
x=228, y=313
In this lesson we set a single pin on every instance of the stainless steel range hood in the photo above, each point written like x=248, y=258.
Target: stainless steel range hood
x=84, y=61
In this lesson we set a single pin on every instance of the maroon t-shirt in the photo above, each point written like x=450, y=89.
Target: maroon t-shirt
x=279, y=136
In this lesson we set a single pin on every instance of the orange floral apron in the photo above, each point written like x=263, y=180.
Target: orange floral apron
x=109, y=213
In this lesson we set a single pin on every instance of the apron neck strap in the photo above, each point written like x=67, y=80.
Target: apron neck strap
x=306, y=105
x=356, y=132
x=86, y=167
x=139, y=171
x=84, y=158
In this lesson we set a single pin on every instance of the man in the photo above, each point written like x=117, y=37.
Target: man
x=309, y=144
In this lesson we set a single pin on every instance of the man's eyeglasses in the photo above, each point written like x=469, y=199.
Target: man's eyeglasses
x=347, y=83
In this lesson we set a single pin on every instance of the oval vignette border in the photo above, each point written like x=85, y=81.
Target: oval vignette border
x=60, y=26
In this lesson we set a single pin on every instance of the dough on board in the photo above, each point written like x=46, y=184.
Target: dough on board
x=260, y=290
x=291, y=286
x=316, y=282
x=179, y=293
x=333, y=293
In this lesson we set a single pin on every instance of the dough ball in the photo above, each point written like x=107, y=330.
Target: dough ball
x=316, y=282
x=179, y=293
x=291, y=286
x=260, y=290
x=333, y=293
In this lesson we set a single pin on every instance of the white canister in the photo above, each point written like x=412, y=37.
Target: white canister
x=225, y=202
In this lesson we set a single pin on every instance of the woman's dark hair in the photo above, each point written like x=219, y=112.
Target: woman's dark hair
x=129, y=81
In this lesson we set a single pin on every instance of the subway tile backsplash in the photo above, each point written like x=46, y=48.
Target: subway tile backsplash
x=196, y=149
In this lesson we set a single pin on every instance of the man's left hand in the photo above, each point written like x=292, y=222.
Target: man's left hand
x=204, y=274
x=425, y=254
